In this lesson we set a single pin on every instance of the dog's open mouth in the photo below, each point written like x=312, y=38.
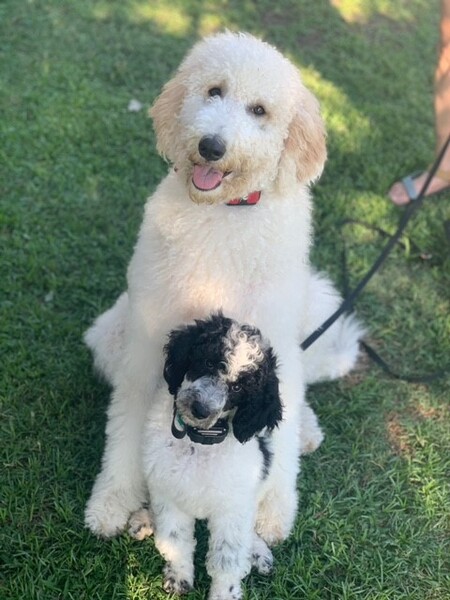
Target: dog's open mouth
x=206, y=178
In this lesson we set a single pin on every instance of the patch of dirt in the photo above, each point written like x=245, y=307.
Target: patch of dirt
x=398, y=436
x=420, y=412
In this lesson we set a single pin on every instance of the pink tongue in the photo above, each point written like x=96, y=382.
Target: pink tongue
x=206, y=178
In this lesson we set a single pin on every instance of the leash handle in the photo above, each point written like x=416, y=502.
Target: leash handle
x=348, y=302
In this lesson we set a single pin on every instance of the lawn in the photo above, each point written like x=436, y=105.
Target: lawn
x=76, y=166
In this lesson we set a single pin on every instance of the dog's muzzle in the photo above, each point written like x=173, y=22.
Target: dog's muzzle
x=201, y=402
x=197, y=409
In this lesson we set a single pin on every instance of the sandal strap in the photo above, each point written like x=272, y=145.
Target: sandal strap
x=408, y=184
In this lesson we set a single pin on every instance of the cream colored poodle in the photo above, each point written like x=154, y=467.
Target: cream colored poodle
x=228, y=229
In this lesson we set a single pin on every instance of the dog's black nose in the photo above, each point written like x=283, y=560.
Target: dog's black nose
x=212, y=147
x=199, y=410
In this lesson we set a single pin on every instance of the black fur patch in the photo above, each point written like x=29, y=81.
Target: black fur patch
x=263, y=443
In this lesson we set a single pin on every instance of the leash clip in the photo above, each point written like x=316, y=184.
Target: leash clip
x=178, y=426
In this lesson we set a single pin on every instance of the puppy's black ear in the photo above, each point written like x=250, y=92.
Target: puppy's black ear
x=262, y=408
x=177, y=357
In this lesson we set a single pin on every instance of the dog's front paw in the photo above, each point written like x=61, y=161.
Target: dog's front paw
x=107, y=513
x=276, y=515
x=311, y=435
x=262, y=558
x=176, y=583
x=140, y=524
x=225, y=591
x=273, y=532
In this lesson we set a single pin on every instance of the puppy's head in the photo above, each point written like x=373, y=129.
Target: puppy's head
x=217, y=368
x=236, y=119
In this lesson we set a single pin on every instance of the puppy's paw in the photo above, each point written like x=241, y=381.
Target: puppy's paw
x=225, y=591
x=176, y=583
x=262, y=558
x=140, y=524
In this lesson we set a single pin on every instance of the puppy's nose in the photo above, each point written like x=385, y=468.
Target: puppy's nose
x=212, y=147
x=199, y=410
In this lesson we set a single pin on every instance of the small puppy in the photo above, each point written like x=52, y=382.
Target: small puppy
x=207, y=452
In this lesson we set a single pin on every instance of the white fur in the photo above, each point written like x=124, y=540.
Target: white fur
x=243, y=352
x=195, y=255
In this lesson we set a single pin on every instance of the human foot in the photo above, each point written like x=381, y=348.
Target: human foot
x=402, y=192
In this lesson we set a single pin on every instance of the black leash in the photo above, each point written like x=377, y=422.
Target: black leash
x=371, y=353
x=348, y=303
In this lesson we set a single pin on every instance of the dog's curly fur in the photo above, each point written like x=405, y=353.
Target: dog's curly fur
x=216, y=370
x=196, y=255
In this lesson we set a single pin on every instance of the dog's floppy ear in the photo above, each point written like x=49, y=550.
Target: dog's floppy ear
x=305, y=144
x=262, y=408
x=177, y=352
x=164, y=113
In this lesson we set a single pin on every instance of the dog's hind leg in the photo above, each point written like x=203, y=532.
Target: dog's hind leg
x=105, y=338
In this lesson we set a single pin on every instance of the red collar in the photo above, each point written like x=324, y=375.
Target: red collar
x=248, y=200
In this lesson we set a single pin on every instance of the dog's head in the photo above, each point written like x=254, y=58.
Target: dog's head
x=217, y=368
x=236, y=119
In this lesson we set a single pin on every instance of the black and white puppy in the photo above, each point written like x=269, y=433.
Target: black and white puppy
x=207, y=452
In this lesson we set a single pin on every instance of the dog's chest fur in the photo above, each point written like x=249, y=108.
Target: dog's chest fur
x=197, y=477
x=208, y=257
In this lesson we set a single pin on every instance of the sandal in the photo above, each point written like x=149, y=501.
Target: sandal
x=408, y=184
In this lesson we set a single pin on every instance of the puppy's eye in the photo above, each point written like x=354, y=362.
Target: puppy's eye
x=215, y=91
x=209, y=365
x=236, y=387
x=258, y=110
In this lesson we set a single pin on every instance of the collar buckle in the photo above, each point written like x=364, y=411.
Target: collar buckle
x=248, y=200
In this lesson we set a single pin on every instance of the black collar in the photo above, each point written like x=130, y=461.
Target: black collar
x=214, y=435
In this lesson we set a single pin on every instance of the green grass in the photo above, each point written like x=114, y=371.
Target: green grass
x=75, y=169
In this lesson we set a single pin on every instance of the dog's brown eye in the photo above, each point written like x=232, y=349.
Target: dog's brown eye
x=236, y=387
x=215, y=91
x=258, y=110
x=209, y=364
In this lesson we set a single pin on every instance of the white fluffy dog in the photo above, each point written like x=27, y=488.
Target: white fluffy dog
x=239, y=126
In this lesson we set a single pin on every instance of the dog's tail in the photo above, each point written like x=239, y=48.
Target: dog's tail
x=335, y=353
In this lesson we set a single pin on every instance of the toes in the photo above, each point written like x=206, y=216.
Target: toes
x=231, y=592
x=172, y=585
x=262, y=558
x=262, y=563
x=398, y=194
x=140, y=524
x=176, y=583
